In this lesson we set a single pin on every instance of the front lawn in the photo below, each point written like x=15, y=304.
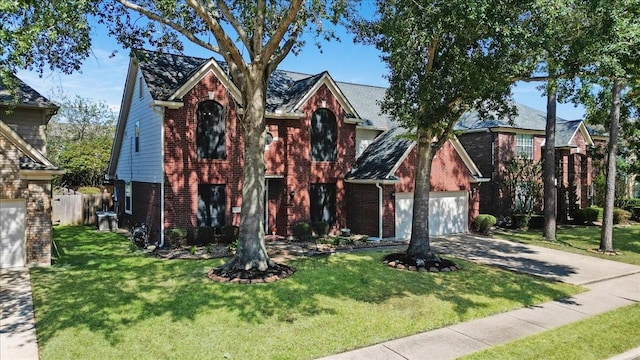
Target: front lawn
x=584, y=239
x=598, y=337
x=103, y=301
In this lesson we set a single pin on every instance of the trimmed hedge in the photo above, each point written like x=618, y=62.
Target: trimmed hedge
x=321, y=228
x=301, y=231
x=621, y=216
x=483, y=222
x=176, y=237
x=229, y=234
x=587, y=215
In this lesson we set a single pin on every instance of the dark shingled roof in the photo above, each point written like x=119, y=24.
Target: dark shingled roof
x=25, y=94
x=165, y=73
x=381, y=156
x=26, y=163
x=527, y=119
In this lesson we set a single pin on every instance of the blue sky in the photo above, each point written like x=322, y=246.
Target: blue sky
x=102, y=77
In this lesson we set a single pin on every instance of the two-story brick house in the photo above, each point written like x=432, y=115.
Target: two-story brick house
x=177, y=156
x=25, y=177
x=492, y=142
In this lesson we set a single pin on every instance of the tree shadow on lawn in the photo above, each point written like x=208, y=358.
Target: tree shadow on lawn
x=100, y=285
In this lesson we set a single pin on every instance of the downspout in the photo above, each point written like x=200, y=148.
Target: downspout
x=161, y=244
x=380, y=209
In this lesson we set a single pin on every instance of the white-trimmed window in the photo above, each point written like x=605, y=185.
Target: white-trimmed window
x=127, y=198
x=524, y=146
x=137, y=137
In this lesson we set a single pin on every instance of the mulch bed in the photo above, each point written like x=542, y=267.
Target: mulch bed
x=406, y=262
x=279, y=250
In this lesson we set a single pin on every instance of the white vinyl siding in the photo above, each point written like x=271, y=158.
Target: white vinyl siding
x=364, y=137
x=524, y=146
x=146, y=164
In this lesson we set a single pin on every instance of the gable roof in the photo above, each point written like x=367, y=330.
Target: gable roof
x=32, y=159
x=382, y=158
x=169, y=76
x=24, y=95
x=529, y=119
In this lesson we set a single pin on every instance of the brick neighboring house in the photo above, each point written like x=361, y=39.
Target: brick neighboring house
x=492, y=142
x=25, y=177
x=177, y=155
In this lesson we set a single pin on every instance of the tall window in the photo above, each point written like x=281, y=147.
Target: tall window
x=210, y=137
x=137, y=141
x=323, y=202
x=324, y=135
x=211, y=205
x=524, y=146
x=127, y=198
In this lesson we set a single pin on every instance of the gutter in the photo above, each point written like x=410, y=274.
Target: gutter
x=380, y=209
x=162, y=143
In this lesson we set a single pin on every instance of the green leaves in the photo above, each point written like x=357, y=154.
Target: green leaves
x=446, y=58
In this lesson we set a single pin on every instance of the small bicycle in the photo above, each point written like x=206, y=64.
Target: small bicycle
x=140, y=235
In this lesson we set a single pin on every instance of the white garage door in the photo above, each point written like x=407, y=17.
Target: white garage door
x=12, y=235
x=448, y=213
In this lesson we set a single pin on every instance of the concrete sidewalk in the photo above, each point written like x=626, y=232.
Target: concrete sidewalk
x=17, y=325
x=611, y=285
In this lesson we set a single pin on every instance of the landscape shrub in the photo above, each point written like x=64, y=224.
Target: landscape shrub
x=229, y=234
x=321, y=228
x=176, y=237
x=536, y=222
x=483, y=222
x=204, y=235
x=627, y=203
x=520, y=221
x=586, y=215
x=302, y=231
x=89, y=190
x=621, y=216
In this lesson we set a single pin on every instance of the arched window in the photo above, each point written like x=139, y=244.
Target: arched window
x=210, y=133
x=324, y=135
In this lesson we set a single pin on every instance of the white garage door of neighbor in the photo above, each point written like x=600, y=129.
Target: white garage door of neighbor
x=12, y=235
x=448, y=213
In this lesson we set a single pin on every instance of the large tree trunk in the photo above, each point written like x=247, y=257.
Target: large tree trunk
x=606, y=236
x=251, y=253
x=419, y=245
x=549, y=171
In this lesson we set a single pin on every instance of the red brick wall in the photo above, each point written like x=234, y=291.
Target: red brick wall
x=145, y=207
x=448, y=173
x=288, y=156
x=184, y=170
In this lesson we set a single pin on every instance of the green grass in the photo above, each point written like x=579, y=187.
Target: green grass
x=103, y=301
x=599, y=337
x=584, y=239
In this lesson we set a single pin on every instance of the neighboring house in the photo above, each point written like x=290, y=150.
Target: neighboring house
x=25, y=177
x=177, y=156
x=492, y=142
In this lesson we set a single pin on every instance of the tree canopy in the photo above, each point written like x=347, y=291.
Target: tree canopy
x=445, y=59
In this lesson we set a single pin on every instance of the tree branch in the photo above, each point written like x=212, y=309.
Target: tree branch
x=277, y=36
x=229, y=50
x=277, y=59
x=258, y=29
x=234, y=22
x=153, y=16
